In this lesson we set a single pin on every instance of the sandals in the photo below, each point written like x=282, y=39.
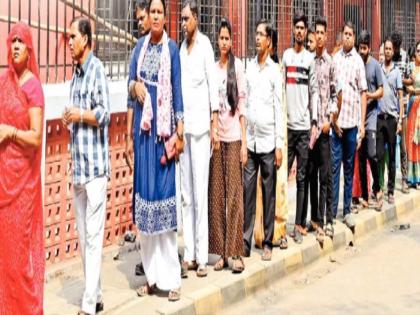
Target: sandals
x=266, y=256
x=329, y=230
x=238, y=265
x=283, y=242
x=202, y=271
x=174, y=295
x=320, y=234
x=303, y=230
x=145, y=289
x=221, y=264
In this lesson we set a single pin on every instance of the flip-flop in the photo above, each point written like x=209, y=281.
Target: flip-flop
x=174, y=295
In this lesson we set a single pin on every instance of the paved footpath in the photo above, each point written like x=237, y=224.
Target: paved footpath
x=379, y=275
x=218, y=290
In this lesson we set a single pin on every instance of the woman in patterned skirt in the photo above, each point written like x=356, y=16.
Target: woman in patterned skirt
x=226, y=212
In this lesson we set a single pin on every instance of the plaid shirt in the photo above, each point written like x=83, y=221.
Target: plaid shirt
x=325, y=74
x=351, y=75
x=89, y=144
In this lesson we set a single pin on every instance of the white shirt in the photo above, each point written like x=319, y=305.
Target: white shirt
x=265, y=106
x=199, y=85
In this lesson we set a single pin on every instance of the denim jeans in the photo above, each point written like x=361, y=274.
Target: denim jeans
x=343, y=149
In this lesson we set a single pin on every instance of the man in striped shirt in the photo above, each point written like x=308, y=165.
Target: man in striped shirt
x=349, y=120
x=87, y=117
x=302, y=105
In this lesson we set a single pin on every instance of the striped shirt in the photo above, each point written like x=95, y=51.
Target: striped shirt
x=301, y=89
x=350, y=73
x=89, y=144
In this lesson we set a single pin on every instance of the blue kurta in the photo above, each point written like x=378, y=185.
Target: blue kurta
x=154, y=200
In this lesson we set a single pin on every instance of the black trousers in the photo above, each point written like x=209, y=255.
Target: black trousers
x=367, y=152
x=319, y=181
x=386, y=134
x=265, y=163
x=298, y=146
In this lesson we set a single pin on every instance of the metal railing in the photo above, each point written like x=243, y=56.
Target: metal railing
x=115, y=30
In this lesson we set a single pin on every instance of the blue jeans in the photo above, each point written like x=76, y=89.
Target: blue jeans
x=343, y=149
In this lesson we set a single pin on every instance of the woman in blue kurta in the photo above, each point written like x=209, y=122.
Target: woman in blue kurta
x=155, y=74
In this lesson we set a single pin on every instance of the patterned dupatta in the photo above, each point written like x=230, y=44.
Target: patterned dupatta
x=164, y=91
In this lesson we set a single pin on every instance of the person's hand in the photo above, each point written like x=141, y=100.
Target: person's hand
x=244, y=154
x=6, y=132
x=215, y=140
x=399, y=127
x=338, y=130
x=312, y=139
x=410, y=90
x=326, y=128
x=71, y=115
x=140, y=91
x=278, y=158
x=362, y=132
x=179, y=146
x=129, y=153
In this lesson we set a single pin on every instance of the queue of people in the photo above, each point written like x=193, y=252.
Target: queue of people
x=224, y=127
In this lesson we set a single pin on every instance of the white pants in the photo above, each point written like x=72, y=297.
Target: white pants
x=195, y=163
x=90, y=206
x=159, y=255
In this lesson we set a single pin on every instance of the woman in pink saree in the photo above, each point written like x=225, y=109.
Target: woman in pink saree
x=21, y=215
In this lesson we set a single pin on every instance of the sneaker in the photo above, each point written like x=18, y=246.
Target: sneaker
x=99, y=307
x=349, y=221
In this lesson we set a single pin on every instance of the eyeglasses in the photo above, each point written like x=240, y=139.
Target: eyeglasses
x=260, y=34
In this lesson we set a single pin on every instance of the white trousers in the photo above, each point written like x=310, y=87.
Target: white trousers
x=90, y=206
x=159, y=255
x=195, y=163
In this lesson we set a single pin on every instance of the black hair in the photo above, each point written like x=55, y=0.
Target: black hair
x=300, y=17
x=364, y=38
x=268, y=27
x=349, y=24
x=274, y=41
x=396, y=42
x=142, y=5
x=388, y=39
x=396, y=39
x=311, y=30
x=193, y=4
x=411, y=52
x=231, y=83
x=163, y=4
x=84, y=27
x=320, y=20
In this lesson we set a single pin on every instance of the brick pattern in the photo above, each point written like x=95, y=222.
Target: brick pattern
x=60, y=228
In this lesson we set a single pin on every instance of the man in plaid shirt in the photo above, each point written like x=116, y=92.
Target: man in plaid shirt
x=349, y=120
x=87, y=118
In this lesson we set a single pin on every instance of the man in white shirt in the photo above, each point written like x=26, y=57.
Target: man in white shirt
x=265, y=137
x=200, y=96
